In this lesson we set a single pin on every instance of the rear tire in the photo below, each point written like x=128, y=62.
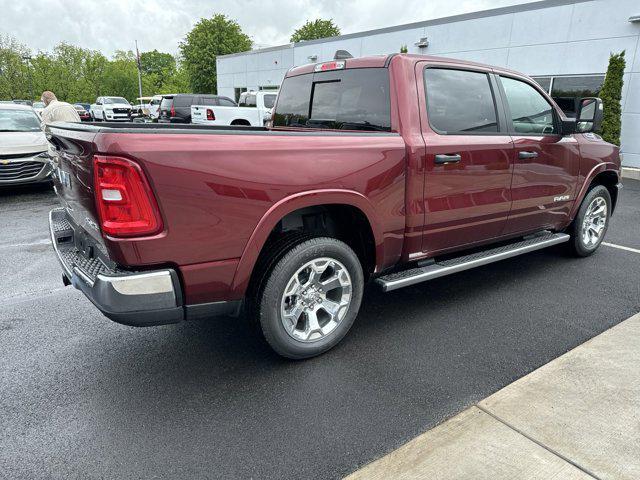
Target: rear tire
x=310, y=298
x=591, y=223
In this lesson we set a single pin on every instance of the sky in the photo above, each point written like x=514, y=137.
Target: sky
x=110, y=25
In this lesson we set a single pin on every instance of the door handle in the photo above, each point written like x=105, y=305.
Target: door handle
x=527, y=155
x=443, y=159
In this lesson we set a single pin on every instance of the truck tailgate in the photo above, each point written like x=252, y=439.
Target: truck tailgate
x=74, y=177
x=198, y=114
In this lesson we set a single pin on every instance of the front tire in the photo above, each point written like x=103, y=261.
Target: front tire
x=591, y=222
x=310, y=298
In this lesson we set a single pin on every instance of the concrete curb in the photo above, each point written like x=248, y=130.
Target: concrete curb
x=630, y=172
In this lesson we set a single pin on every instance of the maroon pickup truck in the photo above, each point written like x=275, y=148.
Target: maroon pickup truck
x=392, y=169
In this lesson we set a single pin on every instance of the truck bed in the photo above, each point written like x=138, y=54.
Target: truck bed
x=217, y=192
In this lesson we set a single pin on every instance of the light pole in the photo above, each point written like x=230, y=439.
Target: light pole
x=27, y=60
x=139, y=72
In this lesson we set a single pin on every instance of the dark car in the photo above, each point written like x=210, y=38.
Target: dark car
x=177, y=108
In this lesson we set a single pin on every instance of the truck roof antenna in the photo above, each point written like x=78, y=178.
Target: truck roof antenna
x=342, y=55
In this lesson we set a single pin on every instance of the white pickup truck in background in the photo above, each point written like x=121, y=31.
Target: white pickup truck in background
x=110, y=109
x=253, y=109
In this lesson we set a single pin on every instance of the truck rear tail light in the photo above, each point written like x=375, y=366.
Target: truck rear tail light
x=210, y=114
x=125, y=202
x=173, y=111
x=335, y=65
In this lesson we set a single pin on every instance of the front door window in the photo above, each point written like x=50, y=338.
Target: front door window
x=531, y=113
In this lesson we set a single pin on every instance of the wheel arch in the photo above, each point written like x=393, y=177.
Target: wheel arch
x=605, y=174
x=328, y=199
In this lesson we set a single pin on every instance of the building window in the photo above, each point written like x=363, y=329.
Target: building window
x=238, y=91
x=269, y=87
x=567, y=91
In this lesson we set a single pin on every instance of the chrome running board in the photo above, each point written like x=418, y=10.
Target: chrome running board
x=412, y=276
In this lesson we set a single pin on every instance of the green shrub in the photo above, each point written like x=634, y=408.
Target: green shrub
x=611, y=95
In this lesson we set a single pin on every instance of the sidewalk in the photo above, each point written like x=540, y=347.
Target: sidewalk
x=577, y=417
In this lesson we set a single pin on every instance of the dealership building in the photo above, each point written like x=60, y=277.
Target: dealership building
x=563, y=44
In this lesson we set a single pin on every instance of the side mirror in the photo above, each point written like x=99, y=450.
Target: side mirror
x=589, y=115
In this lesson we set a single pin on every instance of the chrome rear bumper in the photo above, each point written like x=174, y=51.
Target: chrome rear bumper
x=133, y=298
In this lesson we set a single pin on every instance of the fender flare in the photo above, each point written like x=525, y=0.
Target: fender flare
x=290, y=204
x=593, y=173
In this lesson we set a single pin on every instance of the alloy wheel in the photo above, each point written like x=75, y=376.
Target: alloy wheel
x=594, y=222
x=316, y=299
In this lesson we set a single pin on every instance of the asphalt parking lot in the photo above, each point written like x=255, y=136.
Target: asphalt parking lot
x=83, y=397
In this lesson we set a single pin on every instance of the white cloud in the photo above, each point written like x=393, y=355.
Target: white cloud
x=115, y=24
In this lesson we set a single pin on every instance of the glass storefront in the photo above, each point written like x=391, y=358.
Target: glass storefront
x=568, y=90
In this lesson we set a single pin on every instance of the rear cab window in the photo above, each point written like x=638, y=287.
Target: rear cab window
x=269, y=100
x=248, y=100
x=351, y=99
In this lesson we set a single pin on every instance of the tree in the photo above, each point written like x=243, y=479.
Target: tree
x=313, y=30
x=178, y=83
x=611, y=95
x=121, y=75
x=157, y=68
x=77, y=74
x=209, y=38
x=14, y=71
x=404, y=49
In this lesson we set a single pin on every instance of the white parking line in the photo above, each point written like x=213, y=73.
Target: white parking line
x=620, y=247
x=44, y=241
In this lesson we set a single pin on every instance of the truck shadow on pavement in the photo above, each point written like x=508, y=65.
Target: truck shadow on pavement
x=507, y=295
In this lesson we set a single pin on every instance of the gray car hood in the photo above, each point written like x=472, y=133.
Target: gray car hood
x=15, y=143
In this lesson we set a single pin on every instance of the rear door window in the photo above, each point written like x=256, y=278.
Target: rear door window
x=460, y=101
x=207, y=100
x=356, y=99
x=226, y=102
x=184, y=101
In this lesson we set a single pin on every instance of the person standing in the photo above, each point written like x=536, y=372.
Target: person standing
x=57, y=111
